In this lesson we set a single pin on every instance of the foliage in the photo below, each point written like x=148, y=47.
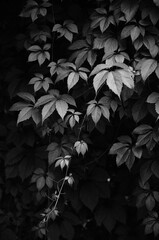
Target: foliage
x=80, y=158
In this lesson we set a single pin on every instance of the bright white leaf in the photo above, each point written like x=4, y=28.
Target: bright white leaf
x=72, y=79
x=127, y=77
x=61, y=107
x=148, y=67
x=47, y=110
x=100, y=79
x=98, y=68
x=96, y=114
x=114, y=82
x=90, y=109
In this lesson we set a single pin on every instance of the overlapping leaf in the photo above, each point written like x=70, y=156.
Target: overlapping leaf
x=39, y=81
x=39, y=54
x=54, y=101
x=115, y=78
x=27, y=109
x=67, y=29
x=125, y=151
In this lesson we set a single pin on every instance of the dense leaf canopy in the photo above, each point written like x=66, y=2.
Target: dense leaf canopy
x=79, y=129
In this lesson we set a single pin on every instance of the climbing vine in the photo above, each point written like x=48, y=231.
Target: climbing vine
x=79, y=130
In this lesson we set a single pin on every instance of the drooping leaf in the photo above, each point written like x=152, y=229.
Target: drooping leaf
x=100, y=79
x=72, y=79
x=114, y=82
x=47, y=110
x=24, y=114
x=61, y=107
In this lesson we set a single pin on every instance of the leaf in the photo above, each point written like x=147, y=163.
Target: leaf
x=139, y=110
x=69, y=99
x=19, y=106
x=126, y=31
x=105, y=112
x=142, y=129
x=78, y=45
x=61, y=107
x=27, y=96
x=150, y=202
x=109, y=221
x=155, y=168
x=24, y=114
x=145, y=172
x=47, y=110
x=110, y=46
x=36, y=116
x=89, y=195
x=14, y=155
x=153, y=97
x=72, y=79
x=129, y=8
x=44, y=99
x=127, y=77
x=100, y=214
x=130, y=160
x=98, y=68
x=25, y=168
x=53, y=155
x=116, y=147
x=148, y=67
x=96, y=114
x=156, y=3
x=40, y=183
x=99, y=79
x=156, y=229
x=135, y=32
x=72, y=27
x=114, y=82
x=34, y=48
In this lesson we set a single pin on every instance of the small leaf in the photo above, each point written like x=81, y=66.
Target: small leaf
x=40, y=183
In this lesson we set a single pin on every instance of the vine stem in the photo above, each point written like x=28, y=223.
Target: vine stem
x=59, y=194
x=80, y=129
